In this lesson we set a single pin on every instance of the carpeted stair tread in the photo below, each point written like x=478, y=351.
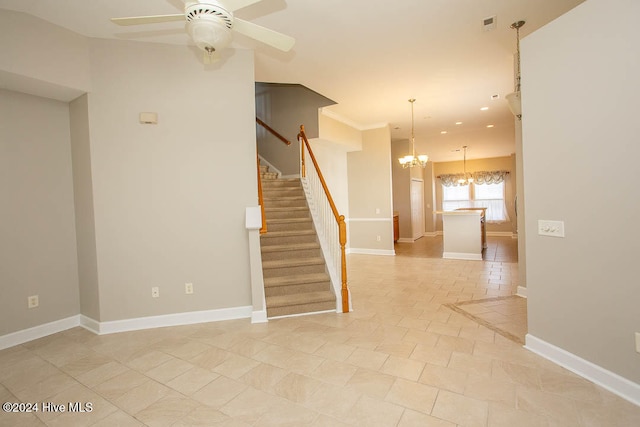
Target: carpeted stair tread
x=300, y=299
x=298, y=262
x=290, y=247
x=296, y=279
x=267, y=198
x=286, y=209
x=272, y=234
x=294, y=271
x=285, y=182
x=288, y=220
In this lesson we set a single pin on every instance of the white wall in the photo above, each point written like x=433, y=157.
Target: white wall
x=580, y=95
x=37, y=231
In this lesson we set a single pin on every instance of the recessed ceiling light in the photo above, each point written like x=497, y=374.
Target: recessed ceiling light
x=484, y=108
x=458, y=123
x=443, y=132
x=489, y=126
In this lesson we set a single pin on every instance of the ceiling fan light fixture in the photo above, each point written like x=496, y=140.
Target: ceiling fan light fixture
x=209, y=33
x=210, y=24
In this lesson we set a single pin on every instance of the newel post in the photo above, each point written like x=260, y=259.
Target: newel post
x=342, y=227
x=301, y=138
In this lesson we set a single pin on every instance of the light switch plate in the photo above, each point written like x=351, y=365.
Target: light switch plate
x=550, y=228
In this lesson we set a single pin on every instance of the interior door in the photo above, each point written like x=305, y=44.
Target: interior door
x=417, y=208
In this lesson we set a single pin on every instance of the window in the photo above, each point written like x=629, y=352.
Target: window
x=456, y=197
x=490, y=196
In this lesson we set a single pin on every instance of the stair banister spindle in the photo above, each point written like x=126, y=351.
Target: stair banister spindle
x=303, y=167
x=340, y=219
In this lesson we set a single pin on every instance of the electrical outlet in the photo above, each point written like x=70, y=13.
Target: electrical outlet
x=188, y=288
x=377, y=238
x=33, y=301
x=155, y=292
x=551, y=228
x=638, y=342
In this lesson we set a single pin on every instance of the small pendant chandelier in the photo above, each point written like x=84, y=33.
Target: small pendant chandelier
x=466, y=178
x=412, y=160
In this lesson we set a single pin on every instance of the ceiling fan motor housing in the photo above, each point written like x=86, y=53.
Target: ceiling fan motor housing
x=209, y=25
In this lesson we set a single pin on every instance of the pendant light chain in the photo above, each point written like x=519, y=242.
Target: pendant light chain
x=413, y=139
x=412, y=160
x=517, y=26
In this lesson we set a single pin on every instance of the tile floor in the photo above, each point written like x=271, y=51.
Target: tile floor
x=499, y=248
x=506, y=316
x=401, y=358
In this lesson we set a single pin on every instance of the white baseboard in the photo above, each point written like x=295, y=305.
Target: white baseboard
x=371, y=251
x=522, y=291
x=462, y=255
x=430, y=234
x=101, y=328
x=40, y=331
x=176, y=319
x=405, y=240
x=616, y=384
x=259, y=316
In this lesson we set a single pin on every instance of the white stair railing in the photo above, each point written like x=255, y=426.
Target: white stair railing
x=330, y=225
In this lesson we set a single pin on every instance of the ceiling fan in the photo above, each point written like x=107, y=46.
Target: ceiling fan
x=210, y=22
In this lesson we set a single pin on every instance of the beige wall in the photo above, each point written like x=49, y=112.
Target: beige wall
x=402, y=194
x=496, y=163
x=401, y=188
x=284, y=107
x=37, y=231
x=520, y=209
x=155, y=205
x=370, y=194
x=170, y=198
x=42, y=59
x=84, y=209
x=580, y=144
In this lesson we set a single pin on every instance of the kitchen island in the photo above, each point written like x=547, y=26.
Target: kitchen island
x=464, y=233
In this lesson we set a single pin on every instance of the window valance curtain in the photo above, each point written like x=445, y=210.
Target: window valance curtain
x=480, y=177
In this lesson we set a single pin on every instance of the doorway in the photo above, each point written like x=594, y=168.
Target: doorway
x=417, y=208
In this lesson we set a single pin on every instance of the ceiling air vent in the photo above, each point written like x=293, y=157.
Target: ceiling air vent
x=489, y=23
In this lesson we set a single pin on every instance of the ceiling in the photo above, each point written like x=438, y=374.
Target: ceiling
x=369, y=56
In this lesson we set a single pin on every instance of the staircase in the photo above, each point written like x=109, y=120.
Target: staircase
x=295, y=276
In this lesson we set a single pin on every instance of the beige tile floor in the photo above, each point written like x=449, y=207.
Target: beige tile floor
x=506, y=316
x=401, y=358
x=499, y=248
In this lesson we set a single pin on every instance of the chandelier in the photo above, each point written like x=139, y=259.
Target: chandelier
x=412, y=160
x=513, y=98
x=466, y=178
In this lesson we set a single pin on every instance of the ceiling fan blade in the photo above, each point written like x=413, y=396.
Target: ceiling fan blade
x=233, y=5
x=155, y=19
x=265, y=35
